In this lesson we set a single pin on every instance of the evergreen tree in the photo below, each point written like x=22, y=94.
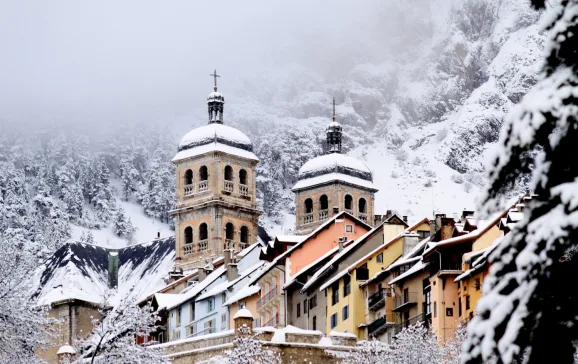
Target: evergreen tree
x=90, y=238
x=530, y=304
x=122, y=226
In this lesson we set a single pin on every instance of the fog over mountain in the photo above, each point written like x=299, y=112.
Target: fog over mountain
x=421, y=87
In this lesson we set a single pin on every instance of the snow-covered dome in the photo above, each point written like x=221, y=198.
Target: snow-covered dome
x=334, y=125
x=334, y=167
x=66, y=349
x=215, y=137
x=216, y=97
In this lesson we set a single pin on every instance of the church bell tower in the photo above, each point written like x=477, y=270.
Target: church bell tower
x=216, y=207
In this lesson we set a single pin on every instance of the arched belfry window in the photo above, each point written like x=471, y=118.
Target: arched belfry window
x=348, y=202
x=204, y=173
x=188, y=235
x=203, y=232
x=243, y=177
x=362, y=206
x=188, y=177
x=308, y=206
x=323, y=202
x=229, y=231
x=228, y=173
x=244, y=235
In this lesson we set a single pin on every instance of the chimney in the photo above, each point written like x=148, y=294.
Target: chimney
x=230, y=266
x=335, y=210
x=113, y=268
x=158, y=234
x=341, y=242
x=404, y=218
x=447, y=227
x=388, y=214
x=410, y=240
x=243, y=323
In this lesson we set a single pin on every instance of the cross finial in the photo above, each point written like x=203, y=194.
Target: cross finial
x=333, y=108
x=215, y=75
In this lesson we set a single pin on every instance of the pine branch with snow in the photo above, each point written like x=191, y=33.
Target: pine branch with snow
x=529, y=304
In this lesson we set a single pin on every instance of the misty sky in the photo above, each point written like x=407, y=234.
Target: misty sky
x=121, y=61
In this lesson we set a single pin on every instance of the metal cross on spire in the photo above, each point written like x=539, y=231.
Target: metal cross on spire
x=215, y=75
x=333, y=108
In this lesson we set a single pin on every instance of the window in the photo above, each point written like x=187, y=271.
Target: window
x=229, y=231
x=314, y=322
x=244, y=235
x=298, y=310
x=348, y=228
x=362, y=273
x=345, y=313
x=210, y=304
x=178, y=334
x=209, y=326
x=362, y=206
x=188, y=177
x=346, y=285
x=323, y=202
x=380, y=258
x=228, y=173
x=348, y=202
x=459, y=306
x=423, y=234
x=178, y=317
x=242, y=305
x=204, y=173
x=304, y=306
x=224, y=321
x=335, y=293
x=190, y=330
x=203, y=232
x=313, y=302
x=449, y=311
x=467, y=302
x=428, y=303
x=188, y=235
x=224, y=297
x=308, y=206
x=333, y=320
x=192, y=312
x=406, y=295
x=243, y=177
x=435, y=308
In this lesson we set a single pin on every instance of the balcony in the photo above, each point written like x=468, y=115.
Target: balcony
x=203, y=245
x=203, y=186
x=229, y=244
x=273, y=322
x=229, y=186
x=405, y=302
x=363, y=217
x=377, y=300
x=243, y=190
x=308, y=218
x=323, y=214
x=188, y=249
x=412, y=321
x=189, y=190
x=267, y=297
x=380, y=325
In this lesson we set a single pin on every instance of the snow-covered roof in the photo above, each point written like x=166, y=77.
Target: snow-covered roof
x=243, y=293
x=80, y=271
x=66, y=349
x=222, y=287
x=334, y=167
x=165, y=300
x=193, y=291
x=243, y=313
x=419, y=266
x=215, y=137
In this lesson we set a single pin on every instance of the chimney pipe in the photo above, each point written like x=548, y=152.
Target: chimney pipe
x=335, y=210
x=341, y=242
x=404, y=218
x=158, y=234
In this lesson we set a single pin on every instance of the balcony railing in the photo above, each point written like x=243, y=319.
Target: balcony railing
x=405, y=301
x=203, y=245
x=380, y=325
x=420, y=317
x=189, y=190
x=188, y=249
x=229, y=244
x=363, y=216
x=244, y=190
x=377, y=300
x=273, y=322
x=203, y=186
x=267, y=297
x=323, y=214
x=229, y=186
x=349, y=211
x=308, y=218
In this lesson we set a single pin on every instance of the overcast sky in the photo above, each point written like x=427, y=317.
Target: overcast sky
x=121, y=61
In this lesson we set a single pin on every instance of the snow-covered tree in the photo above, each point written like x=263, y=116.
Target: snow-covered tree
x=370, y=351
x=90, y=237
x=529, y=303
x=24, y=329
x=113, y=336
x=249, y=350
x=122, y=226
x=415, y=344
